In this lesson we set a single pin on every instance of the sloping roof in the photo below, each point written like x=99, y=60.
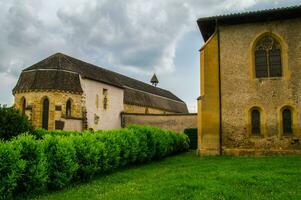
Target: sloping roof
x=44, y=75
x=48, y=80
x=143, y=99
x=207, y=24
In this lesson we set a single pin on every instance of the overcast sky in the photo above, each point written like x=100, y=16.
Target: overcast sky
x=133, y=37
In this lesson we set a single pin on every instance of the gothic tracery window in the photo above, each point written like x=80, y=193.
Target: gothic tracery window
x=268, y=58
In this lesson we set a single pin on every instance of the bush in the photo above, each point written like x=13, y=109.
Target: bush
x=192, y=134
x=61, y=161
x=12, y=123
x=58, y=158
x=34, y=176
x=11, y=169
x=111, y=161
x=89, y=152
x=40, y=133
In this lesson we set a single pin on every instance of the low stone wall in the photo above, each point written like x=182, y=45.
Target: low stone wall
x=175, y=122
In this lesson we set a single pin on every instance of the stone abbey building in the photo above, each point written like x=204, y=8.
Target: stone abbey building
x=250, y=98
x=65, y=93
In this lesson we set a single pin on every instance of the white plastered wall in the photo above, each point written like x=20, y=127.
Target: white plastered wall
x=107, y=118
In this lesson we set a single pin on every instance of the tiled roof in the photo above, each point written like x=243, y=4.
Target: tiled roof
x=207, y=24
x=48, y=80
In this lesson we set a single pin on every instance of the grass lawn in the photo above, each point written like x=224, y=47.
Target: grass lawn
x=187, y=176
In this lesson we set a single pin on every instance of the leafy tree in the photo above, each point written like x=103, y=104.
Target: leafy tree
x=12, y=123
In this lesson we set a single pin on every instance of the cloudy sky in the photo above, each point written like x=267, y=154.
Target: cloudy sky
x=133, y=37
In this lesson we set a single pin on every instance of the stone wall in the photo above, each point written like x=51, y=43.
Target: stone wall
x=143, y=110
x=241, y=91
x=208, y=102
x=56, y=99
x=175, y=122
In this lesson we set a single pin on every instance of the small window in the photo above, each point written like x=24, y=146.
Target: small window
x=268, y=58
x=255, y=122
x=68, y=108
x=105, y=99
x=287, y=121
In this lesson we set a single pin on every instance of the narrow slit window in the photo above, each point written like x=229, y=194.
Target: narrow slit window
x=255, y=122
x=287, y=122
x=68, y=108
x=105, y=99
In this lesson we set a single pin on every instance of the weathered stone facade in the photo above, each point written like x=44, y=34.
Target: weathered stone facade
x=56, y=99
x=241, y=91
x=230, y=90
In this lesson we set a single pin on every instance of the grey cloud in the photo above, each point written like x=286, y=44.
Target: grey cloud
x=133, y=36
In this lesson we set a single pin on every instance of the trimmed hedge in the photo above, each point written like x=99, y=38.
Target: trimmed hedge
x=192, y=134
x=51, y=160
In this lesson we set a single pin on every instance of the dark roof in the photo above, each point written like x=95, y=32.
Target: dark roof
x=143, y=99
x=154, y=79
x=48, y=80
x=42, y=75
x=207, y=24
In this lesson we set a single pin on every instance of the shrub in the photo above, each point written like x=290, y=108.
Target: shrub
x=61, y=161
x=192, y=134
x=12, y=123
x=40, y=133
x=58, y=158
x=34, y=176
x=111, y=161
x=161, y=143
x=89, y=151
x=11, y=169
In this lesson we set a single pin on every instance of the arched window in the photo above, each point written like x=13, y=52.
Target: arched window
x=45, y=113
x=268, y=58
x=23, y=101
x=68, y=108
x=255, y=122
x=287, y=121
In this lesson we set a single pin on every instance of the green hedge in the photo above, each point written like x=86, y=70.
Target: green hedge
x=192, y=134
x=51, y=160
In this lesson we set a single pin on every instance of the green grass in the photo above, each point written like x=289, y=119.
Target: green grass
x=187, y=176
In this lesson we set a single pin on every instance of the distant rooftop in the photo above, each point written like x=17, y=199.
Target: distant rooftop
x=62, y=72
x=207, y=24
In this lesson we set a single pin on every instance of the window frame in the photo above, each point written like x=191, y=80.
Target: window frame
x=262, y=45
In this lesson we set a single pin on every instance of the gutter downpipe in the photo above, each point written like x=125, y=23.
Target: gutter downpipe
x=220, y=89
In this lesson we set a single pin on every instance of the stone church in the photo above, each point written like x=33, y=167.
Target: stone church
x=61, y=92
x=250, y=98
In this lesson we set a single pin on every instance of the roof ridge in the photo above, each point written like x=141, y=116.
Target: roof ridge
x=115, y=73
x=250, y=12
x=100, y=74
